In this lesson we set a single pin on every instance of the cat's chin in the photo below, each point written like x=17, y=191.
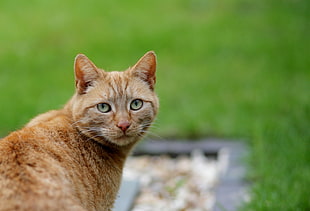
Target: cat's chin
x=123, y=140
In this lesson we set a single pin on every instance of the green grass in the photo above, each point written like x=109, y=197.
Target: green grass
x=226, y=68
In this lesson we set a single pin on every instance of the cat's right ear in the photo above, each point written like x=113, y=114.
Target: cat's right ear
x=85, y=73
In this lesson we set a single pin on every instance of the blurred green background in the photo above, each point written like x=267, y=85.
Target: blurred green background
x=226, y=68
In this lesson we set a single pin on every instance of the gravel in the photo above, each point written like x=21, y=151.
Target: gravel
x=175, y=184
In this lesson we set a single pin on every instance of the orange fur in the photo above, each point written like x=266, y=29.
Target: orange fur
x=72, y=159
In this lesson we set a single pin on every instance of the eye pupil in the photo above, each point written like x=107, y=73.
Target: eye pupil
x=104, y=107
x=136, y=104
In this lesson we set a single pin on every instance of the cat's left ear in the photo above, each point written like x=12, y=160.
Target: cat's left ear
x=145, y=68
x=85, y=73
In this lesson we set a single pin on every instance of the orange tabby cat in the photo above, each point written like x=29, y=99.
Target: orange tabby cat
x=72, y=159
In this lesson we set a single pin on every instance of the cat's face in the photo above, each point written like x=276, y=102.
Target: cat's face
x=117, y=107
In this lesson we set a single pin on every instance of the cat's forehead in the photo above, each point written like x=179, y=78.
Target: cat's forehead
x=122, y=85
x=117, y=74
x=118, y=81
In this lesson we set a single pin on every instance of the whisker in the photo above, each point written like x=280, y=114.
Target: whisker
x=74, y=123
x=152, y=135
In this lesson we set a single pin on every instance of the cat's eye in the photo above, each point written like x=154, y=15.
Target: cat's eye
x=136, y=104
x=104, y=107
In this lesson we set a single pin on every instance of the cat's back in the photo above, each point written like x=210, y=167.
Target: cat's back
x=40, y=134
x=31, y=174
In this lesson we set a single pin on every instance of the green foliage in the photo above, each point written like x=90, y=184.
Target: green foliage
x=226, y=68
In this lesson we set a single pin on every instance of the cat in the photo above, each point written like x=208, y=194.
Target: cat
x=72, y=158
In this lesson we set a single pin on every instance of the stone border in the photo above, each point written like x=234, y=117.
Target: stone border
x=128, y=191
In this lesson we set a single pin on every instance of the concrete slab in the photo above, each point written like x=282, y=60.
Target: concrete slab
x=126, y=196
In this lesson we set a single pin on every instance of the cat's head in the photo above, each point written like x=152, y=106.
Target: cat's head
x=114, y=107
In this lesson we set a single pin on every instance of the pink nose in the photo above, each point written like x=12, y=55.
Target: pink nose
x=123, y=125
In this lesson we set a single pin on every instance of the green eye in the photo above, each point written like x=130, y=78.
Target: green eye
x=136, y=104
x=104, y=107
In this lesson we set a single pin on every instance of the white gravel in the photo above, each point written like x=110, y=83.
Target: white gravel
x=175, y=184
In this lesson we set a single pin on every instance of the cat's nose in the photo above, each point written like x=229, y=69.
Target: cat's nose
x=123, y=125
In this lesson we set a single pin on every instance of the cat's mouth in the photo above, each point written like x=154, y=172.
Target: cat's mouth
x=123, y=139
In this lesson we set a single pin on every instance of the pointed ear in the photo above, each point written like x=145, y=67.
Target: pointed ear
x=145, y=68
x=85, y=73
